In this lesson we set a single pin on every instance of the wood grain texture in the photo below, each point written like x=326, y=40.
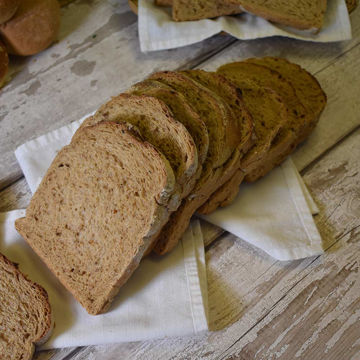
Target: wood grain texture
x=97, y=56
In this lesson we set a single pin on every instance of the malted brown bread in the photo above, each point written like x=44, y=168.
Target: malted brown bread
x=189, y=10
x=158, y=126
x=232, y=96
x=298, y=116
x=97, y=209
x=269, y=115
x=304, y=15
x=223, y=134
x=181, y=110
x=4, y=63
x=25, y=313
x=224, y=138
x=8, y=9
x=307, y=88
x=33, y=28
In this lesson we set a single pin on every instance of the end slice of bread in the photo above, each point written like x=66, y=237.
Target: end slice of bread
x=98, y=208
x=25, y=313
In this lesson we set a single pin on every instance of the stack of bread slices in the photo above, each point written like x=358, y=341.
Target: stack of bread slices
x=174, y=144
x=304, y=15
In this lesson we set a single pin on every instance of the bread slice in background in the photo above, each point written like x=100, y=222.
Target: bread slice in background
x=303, y=15
x=181, y=110
x=25, y=313
x=158, y=126
x=33, y=28
x=224, y=138
x=307, y=88
x=231, y=95
x=189, y=10
x=269, y=115
x=298, y=115
x=97, y=209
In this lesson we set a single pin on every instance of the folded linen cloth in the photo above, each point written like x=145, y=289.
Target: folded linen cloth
x=274, y=214
x=157, y=30
x=164, y=297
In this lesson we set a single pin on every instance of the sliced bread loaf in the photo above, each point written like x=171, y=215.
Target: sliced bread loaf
x=269, y=115
x=181, y=110
x=298, y=116
x=220, y=121
x=306, y=14
x=97, y=209
x=188, y=10
x=306, y=87
x=157, y=125
x=223, y=134
x=25, y=313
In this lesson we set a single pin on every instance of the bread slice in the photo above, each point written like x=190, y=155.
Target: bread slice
x=224, y=135
x=188, y=10
x=231, y=95
x=304, y=15
x=269, y=115
x=157, y=125
x=97, y=209
x=181, y=110
x=298, y=116
x=224, y=138
x=25, y=313
x=307, y=88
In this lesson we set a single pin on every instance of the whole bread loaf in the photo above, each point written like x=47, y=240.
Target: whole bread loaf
x=97, y=209
x=25, y=313
x=33, y=28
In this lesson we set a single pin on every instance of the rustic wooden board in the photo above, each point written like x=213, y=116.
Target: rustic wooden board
x=97, y=56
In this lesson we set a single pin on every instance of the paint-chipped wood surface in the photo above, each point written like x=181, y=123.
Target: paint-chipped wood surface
x=259, y=308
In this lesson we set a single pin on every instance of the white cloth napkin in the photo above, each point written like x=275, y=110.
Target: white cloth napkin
x=166, y=296
x=274, y=214
x=157, y=30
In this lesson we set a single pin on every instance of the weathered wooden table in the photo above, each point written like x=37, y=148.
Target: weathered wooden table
x=260, y=308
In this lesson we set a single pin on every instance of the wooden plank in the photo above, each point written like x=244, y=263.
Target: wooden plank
x=251, y=294
x=97, y=56
x=320, y=315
